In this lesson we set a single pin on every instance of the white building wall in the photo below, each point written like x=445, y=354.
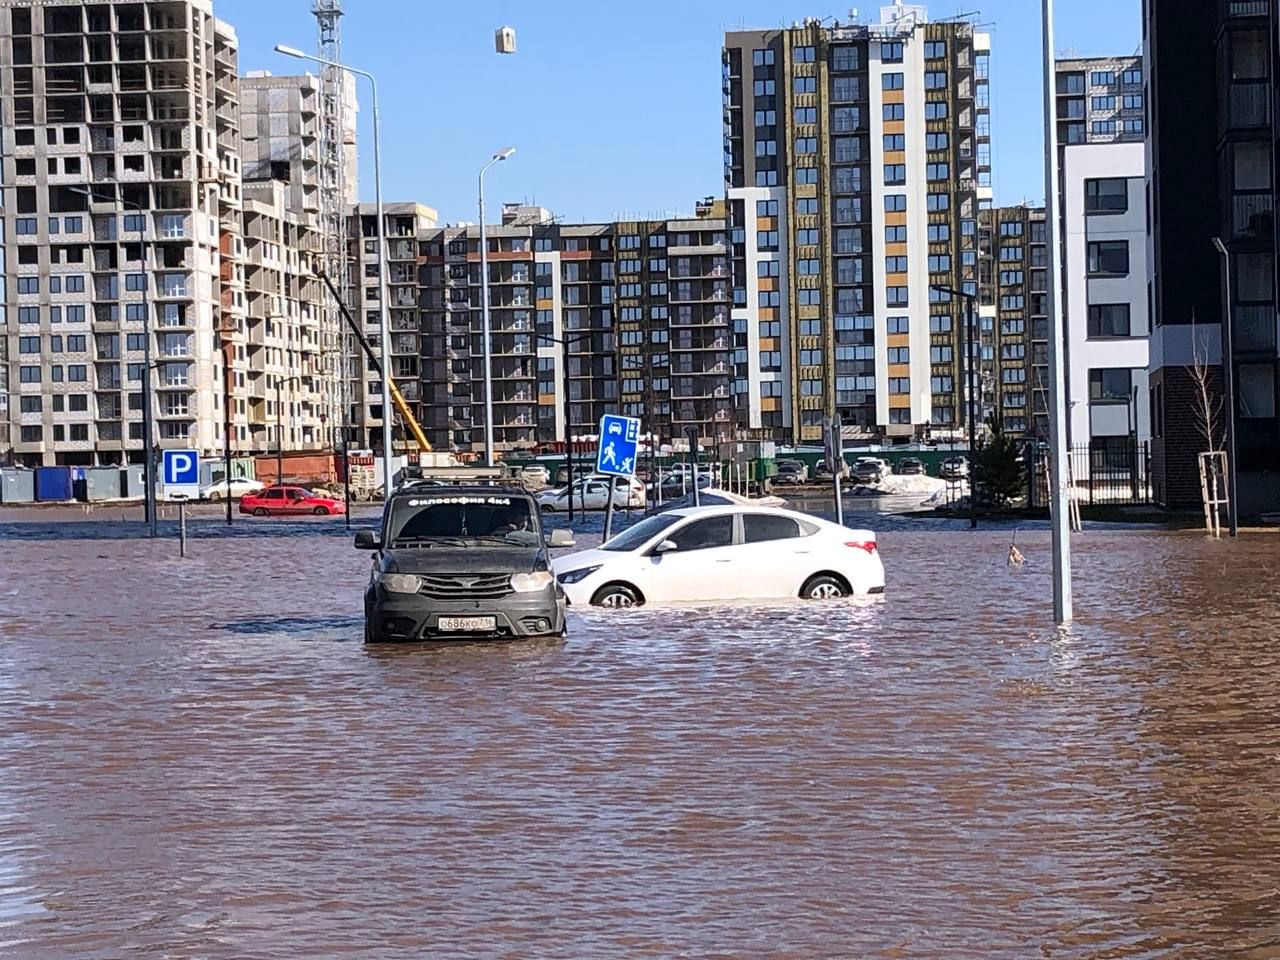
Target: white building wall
x=1084, y=162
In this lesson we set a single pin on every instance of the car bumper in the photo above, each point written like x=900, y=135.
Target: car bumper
x=393, y=616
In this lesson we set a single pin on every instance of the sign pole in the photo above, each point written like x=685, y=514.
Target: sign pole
x=182, y=527
x=837, y=466
x=608, y=511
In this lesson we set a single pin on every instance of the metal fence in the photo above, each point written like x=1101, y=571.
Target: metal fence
x=1117, y=472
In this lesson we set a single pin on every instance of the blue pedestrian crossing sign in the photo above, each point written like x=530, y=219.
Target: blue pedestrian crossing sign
x=181, y=475
x=618, y=446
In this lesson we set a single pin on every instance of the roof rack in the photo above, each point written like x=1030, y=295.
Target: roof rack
x=455, y=476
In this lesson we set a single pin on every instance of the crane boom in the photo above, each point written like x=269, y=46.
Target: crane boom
x=406, y=412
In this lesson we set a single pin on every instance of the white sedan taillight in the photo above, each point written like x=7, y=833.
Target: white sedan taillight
x=867, y=545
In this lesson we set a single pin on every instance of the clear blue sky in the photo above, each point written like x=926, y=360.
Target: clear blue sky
x=614, y=107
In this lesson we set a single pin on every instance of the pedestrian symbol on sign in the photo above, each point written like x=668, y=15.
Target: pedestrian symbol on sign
x=619, y=439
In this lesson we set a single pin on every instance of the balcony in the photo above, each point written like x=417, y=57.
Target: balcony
x=1245, y=8
x=1252, y=216
x=1248, y=106
x=1255, y=328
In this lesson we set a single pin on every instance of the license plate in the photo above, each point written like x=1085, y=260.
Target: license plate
x=467, y=624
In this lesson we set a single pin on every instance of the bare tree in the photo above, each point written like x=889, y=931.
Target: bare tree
x=1208, y=407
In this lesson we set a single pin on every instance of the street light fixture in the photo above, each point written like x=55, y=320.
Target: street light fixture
x=1229, y=384
x=148, y=431
x=484, y=312
x=385, y=338
x=970, y=369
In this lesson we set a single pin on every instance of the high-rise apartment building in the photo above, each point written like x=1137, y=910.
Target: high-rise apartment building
x=1211, y=89
x=134, y=102
x=1014, y=325
x=1100, y=100
x=856, y=160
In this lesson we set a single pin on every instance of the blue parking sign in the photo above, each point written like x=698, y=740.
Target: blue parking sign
x=181, y=474
x=618, y=446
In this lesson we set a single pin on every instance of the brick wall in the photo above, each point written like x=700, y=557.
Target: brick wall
x=1175, y=468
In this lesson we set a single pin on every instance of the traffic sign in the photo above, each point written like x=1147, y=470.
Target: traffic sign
x=181, y=473
x=619, y=441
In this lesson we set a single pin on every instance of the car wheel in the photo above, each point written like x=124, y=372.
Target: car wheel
x=617, y=595
x=370, y=636
x=215, y=496
x=823, y=586
x=261, y=512
x=321, y=511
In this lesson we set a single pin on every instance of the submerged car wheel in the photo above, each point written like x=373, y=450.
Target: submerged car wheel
x=616, y=595
x=321, y=511
x=261, y=512
x=823, y=586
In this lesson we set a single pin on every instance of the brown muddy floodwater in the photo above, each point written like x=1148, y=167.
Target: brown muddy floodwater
x=202, y=760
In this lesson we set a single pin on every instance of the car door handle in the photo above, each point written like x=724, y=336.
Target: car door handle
x=726, y=560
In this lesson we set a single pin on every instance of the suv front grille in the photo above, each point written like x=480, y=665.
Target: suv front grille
x=484, y=586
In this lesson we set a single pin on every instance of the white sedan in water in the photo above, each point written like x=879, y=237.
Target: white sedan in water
x=240, y=486
x=723, y=553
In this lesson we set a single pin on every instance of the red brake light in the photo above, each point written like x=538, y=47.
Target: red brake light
x=867, y=545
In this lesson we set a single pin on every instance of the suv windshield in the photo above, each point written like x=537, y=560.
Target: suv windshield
x=462, y=519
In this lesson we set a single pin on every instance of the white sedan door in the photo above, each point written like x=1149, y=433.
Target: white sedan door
x=704, y=566
x=776, y=556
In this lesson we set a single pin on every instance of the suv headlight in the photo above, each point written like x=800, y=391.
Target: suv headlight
x=529, y=582
x=400, y=582
x=573, y=576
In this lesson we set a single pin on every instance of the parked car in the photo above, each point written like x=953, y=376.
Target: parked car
x=592, y=493
x=536, y=474
x=238, y=488
x=463, y=563
x=699, y=554
x=911, y=467
x=289, y=501
x=791, y=473
x=955, y=468
x=675, y=485
x=580, y=471
x=823, y=472
x=870, y=470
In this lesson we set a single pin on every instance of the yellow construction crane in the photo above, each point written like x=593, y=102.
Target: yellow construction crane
x=406, y=412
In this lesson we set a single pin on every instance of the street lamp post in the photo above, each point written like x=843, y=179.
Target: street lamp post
x=385, y=339
x=565, y=343
x=280, y=382
x=970, y=369
x=1229, y=385
x=148, y=430
x=484, y=313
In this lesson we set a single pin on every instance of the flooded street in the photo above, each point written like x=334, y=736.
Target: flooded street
x=200, y=759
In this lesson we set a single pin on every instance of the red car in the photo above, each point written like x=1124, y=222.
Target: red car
x=289, y=500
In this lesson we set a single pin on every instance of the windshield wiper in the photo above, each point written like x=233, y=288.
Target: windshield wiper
x=430, y=542
x=501, y=538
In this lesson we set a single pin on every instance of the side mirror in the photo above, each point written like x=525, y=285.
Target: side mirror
x=666, y=546
x=368, y=540
x=561, y=538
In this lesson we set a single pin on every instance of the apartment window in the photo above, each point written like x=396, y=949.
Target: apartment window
x=809, y=298
x=657, y=240
x=28, y=344
x=847, y=179
x=1132, y=101
x=846, y=119
x=896, y=234
x=764, y=208
x=32, y=434
x=766, y=148
x=806, y=145
x=25, y=226
x=895, y=264
x=764, y=88
x=848, y=210
x=848, y=271
x=937, y=202
x=1108, y=320
x=1104, y=103
x=73, y=283
x=935, y=49
x=769, y=298
x=895, y=174
x=940, y=384
x=766, y=118
x=940, y=354
x=895, y=203
x=1257, y=390
x=896, y=296
x=762, y=58
x=765, y=240
x=899, y=325
x=844, y=58
x=135, y=281
x=895, y=141
x=766, y=178
x=1110, y=195
x=937, y=110
x=891, y=81
x=938, y=171
x=804, y=85
x=807, y=268
x=936, y=141
x=1104, y=128
x=845, y=88
x=899, y=386
x=803, y=54
x=28, y=284
x=935, y=80
x=806, y=175
x=1010, y=253
x=1012, y=301
x=806, y=115
x=939, y=232
x=899, y=354
x=848, y=240
x=1110, y=385
x=1134, y=125
x=939, y=263
x=893, y=111
x=767, y=268
x=847, y=150
x=940, y=323
x=1102, y=78
x=891, y=51
x=807, y=237
x=1011, y=278
x=1108, y=258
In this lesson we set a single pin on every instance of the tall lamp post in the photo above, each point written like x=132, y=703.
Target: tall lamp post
x=383, y=322
x=970, y=368
x=148, y=430
x=1229, y=384
x=486, y=333
x=565, y=343
x=280, y=382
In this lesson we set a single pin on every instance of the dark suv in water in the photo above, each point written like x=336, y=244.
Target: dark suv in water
x=461, y=561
